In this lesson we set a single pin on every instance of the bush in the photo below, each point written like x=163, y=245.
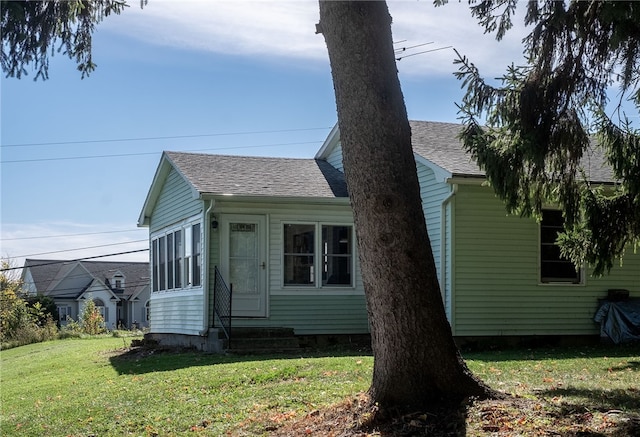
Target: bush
x=21, y=323
x=71, y=329
x=91, y=320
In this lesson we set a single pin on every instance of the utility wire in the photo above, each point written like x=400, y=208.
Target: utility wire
x=80, y=259
x=154, y=153
x=404, y=49
x=117, y=140
x=81, y=248
x=71, y=235
x=419, y=53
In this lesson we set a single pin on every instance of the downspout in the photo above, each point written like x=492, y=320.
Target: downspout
x=205, y=266
x=443, y=246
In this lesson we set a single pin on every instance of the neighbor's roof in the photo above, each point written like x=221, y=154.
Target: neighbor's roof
x=258, y=176
x=45, y=271
x=439, y=144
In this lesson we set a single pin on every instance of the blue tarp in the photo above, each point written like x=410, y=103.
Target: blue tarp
x=620, y=320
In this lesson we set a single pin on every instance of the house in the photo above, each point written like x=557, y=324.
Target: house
x=120, y=290
x=281, y=232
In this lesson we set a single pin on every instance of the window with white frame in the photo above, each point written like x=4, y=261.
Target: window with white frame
x=176, y=258
x=318, y=255
x=147, y=311
x=118, y=281
x=64, y=313
x=553, y=267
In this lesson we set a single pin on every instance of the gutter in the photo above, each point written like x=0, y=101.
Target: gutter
x=443, y=244
x=205, y=265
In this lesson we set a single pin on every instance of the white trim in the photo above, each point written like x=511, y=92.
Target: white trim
x=171, y=294
x=332, y=140
x=440, y=174
x=185, y=226
x=262, y=299
x=582, y=278
x=317, y=254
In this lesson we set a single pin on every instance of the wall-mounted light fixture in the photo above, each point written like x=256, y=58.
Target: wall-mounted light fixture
x=214, y=223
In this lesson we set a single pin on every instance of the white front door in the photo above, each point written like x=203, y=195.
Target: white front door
x=243, y=263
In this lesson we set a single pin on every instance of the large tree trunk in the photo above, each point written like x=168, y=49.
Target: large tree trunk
x=416, y=361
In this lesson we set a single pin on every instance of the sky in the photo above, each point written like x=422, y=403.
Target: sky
x=77, y=156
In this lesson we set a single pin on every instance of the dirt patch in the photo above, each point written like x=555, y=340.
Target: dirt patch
x=503, y=418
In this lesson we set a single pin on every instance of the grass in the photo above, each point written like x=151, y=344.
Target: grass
x=83, y=387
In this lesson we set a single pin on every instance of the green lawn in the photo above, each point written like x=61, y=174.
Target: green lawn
x=85, y=387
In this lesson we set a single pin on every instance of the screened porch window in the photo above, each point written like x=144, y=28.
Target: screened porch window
x=553, y=267
x=176, y=258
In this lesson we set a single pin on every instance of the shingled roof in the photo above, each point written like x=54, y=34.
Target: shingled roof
x=45, y=271
x=439, y=143
x=258, y=176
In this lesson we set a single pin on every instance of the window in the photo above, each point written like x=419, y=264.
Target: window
x=118, y=281
x=328, y=264
x=64, y=313
x=176, y=258
x=147, y=311
x=336, y=255
x=553, y=267
x=196, y=261
x=102, y=309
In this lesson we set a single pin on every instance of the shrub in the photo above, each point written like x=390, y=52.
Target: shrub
x=21, y=323
x=71, y=329
x=91, y=320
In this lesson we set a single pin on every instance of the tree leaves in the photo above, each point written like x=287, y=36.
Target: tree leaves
x=31, y=30
x=533, y=134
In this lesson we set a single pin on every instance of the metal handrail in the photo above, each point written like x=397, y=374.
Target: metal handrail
x=222, y=305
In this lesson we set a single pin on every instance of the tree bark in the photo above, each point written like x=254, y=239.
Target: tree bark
x=416, y=363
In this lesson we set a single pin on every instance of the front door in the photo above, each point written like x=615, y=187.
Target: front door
x=243, y=264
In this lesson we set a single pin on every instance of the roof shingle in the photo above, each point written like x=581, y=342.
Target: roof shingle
x=439, y=143
x=259, y=176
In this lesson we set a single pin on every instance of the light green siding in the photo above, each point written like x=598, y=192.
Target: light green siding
x=175, y=203
x=335, y=158
x=496, y=287
x=177, y=312
x=314, y=314
x=433, y=193
x=308, y=310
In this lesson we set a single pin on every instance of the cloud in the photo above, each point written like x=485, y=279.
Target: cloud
x=285, y=31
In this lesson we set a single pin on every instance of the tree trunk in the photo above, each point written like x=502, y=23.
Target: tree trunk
x=416, y=361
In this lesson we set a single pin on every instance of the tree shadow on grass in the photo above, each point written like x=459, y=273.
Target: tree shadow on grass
x=140, y=360
x=619, y=407
x=358, y=417
x=597, y=399
x=630, y=365
x=545, y=351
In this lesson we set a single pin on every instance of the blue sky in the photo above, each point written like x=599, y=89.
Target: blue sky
x=242, y=78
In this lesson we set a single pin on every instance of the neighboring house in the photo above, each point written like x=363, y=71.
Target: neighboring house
x=120, y=290
x=281, y=231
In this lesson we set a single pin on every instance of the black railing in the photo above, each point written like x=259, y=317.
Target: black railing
x=222, y=305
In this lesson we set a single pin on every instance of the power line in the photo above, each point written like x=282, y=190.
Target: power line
x=80, y=259
x=420, y=53
x=71, y=235
x=404, y=49
x=154, y=153
x=81, y=248
x=117, y=140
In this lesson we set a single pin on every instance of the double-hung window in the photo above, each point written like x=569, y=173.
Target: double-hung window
x=176, y=258
x=553, y=267
x=318, y=255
